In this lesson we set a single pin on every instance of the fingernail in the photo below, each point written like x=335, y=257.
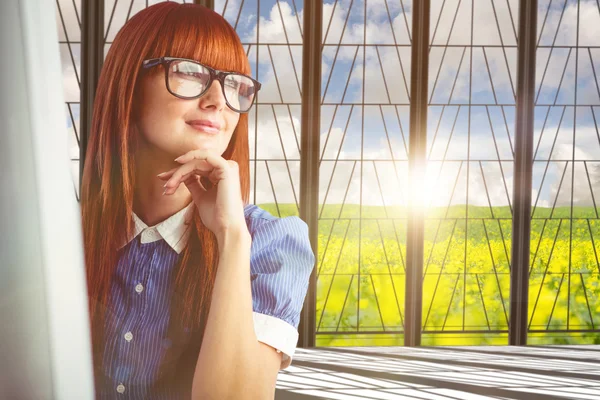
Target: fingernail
x=178, y=158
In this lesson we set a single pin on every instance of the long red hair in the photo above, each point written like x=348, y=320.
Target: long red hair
x=164, y=29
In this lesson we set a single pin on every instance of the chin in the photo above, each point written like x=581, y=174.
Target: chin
x=207, y=149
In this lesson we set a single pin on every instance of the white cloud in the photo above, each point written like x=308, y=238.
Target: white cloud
x=70, y=53
x=231, y=7
x=70, y=85
x=485, y=30
x=381, y=184
x=280, y=72
x=274, y=183
x=70, y=17
x=589, y=22
x=282, y=23
x=276, y=143
x=72, y=140
x=379, y=31
x=582, y=180
x=274, y=129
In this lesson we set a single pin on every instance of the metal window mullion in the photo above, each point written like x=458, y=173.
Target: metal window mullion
x=206, y=3
x=523, y=170
x=92, y=58
x=416, y=164
x=309, y=155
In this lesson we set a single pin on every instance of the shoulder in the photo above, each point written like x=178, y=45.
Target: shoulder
x=278, y=240
x=256, y=215
x=263, y=226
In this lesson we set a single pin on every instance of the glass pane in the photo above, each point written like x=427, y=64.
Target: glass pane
x=271, y=32
x=467, y=189
x=68, y=21
x=363, y=172
x=565, y=226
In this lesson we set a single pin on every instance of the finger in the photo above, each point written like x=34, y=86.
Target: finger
x=222, y=167
x=208, y=183
x=189, y=180
x=217, y=175
x=167, y=174
x=193, y=180
x=192, y=154
x=197, y=166
x=200, y=183
x=217, y=161
x=194, y=172
x=172, y=188
x=173, y=183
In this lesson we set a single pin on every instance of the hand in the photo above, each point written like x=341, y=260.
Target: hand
x=220, y=206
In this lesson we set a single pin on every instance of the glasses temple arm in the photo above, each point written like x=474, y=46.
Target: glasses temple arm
x=151, y=63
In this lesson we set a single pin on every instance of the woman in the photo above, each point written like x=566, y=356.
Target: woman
x=194, y=292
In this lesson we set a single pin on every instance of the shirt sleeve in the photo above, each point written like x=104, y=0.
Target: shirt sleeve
x=281, y=262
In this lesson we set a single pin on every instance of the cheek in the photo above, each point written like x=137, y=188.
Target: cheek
x=160, y=117
x=232, y=120
x=154, y=124
x=155, y=100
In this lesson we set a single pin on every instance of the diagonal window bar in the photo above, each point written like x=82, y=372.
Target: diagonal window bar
x=355, y=188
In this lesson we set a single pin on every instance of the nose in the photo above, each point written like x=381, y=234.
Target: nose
x=213, y=97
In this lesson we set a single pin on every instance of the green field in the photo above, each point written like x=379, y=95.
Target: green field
x=466, y=283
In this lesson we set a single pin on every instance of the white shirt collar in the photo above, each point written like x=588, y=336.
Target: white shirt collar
x=175, y=230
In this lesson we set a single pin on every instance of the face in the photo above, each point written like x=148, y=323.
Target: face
x=171, y=126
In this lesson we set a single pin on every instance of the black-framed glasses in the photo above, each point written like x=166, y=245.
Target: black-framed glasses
x=189, y=79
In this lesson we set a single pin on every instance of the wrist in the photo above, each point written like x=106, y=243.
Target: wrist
x=234, y=237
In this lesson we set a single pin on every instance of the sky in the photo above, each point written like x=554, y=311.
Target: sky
x=372, y=65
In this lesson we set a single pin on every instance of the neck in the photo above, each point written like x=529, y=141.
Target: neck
x=149, y=203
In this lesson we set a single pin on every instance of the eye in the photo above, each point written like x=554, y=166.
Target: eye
x=188, y=70
x=232, y=84
x=202, y=76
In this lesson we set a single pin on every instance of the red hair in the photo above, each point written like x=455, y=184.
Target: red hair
x=164, y=29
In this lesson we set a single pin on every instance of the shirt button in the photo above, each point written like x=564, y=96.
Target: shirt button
x=128, y=336
x=121, y=388
x=139, y=288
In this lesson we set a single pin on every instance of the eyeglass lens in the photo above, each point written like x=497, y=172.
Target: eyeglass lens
x=188, y=79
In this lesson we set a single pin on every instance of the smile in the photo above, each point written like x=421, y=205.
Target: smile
x=204, y=128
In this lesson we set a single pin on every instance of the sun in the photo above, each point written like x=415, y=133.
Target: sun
x=429, y=186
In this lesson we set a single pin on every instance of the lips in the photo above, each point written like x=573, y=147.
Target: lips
x=205, y=125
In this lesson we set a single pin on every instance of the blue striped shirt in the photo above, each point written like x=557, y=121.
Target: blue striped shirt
x=136, y=339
